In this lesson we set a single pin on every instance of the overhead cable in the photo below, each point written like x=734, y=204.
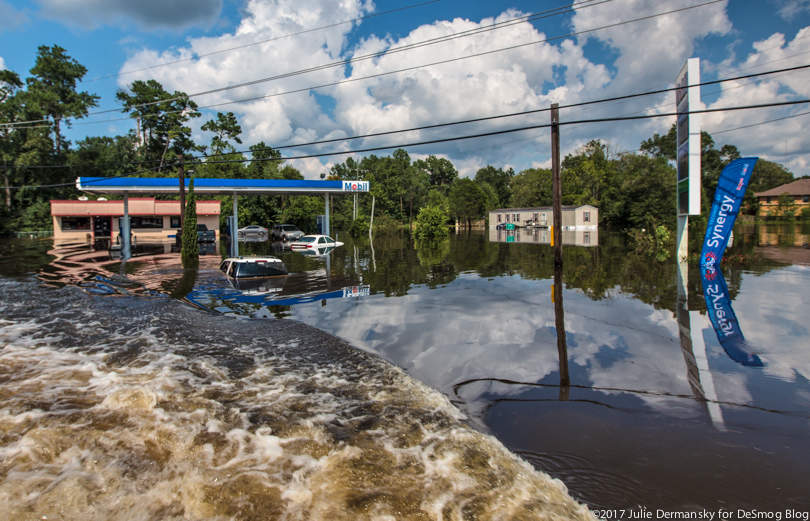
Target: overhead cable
x=471, y=136
x=266, y=40
x=532, y=111
x=432, y=41
x=518, y=129
x=760, y=123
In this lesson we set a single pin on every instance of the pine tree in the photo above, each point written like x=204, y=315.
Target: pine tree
x=190, y=250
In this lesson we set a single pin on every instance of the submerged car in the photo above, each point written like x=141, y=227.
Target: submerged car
x=253, y=267
x=285, y=232
x=253, y=231
x=314, y=242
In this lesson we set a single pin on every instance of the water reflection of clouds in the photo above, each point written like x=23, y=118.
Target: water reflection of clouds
x=508, y=333
x=503, y=328
x=772, y=309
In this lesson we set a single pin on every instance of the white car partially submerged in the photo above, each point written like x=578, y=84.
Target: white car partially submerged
x=253, y=267
x=314, y=242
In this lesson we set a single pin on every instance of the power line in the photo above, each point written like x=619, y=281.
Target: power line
x=473, y=136
x=525, y=112
x=760, y=123
x=487, y=118
x=432, y=41
x=441, y=62
x=511, y=130
x=266, y=40
x=392, y=50
x=350, y=80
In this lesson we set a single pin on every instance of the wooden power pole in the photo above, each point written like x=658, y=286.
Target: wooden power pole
x=556, y=238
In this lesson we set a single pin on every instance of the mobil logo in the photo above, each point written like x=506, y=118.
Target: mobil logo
x=355, y=186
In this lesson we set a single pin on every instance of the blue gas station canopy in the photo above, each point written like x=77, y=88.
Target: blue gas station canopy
x=203, y=185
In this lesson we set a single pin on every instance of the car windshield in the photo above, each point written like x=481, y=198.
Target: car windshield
x=307, y=238
x=254, y=269
x=289, y=227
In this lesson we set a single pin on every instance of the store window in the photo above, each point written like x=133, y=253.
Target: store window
x=175, y=221
x=146, y=222
x=75, y=223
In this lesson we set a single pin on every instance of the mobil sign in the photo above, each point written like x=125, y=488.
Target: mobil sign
x=355, y=186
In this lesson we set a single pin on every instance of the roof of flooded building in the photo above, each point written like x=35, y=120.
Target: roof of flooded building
x=798, y=187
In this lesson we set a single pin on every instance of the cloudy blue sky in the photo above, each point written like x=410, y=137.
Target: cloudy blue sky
x=203, y=45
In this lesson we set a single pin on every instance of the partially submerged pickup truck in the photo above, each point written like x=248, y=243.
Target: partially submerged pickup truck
x=203, y=234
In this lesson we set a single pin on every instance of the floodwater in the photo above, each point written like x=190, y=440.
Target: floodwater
x=397, y=380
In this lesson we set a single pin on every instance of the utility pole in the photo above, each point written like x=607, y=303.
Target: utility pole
x=556, y=238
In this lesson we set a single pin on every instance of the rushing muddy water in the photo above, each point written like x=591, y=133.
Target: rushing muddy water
x=145, y=408
x=138, y=390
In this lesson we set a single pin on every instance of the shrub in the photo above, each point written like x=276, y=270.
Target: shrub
x=657, y=241
x=385, y=223
x=431, y=223
x=358, y=227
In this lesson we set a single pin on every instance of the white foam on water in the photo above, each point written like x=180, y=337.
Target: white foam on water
x=99, y=424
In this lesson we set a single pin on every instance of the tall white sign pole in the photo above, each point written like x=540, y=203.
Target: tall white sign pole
x=687, y=145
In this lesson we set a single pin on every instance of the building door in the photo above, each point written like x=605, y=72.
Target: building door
x=102, y=227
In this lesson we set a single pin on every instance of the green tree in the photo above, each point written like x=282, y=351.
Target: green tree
x=104, y=156
x=641, y=193
x=766, y=175
x=467, y=200
x=530, y=188
x=500, y=180
x=661, y=145
x=190, y=249
x=225, y=129
x=52, y=88
x=301, y=210
x=9, y=113
x=585, y=174
x=162, y=119
x=9, y=83
x=440, y=171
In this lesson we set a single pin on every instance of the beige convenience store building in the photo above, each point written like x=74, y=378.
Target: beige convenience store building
x=150, y=219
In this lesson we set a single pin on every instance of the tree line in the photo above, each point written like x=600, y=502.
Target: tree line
x=632, y=190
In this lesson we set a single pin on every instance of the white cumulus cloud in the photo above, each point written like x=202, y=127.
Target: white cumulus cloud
x=400, y=90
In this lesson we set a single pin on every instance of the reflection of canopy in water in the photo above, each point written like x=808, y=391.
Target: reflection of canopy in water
x=202, y=297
